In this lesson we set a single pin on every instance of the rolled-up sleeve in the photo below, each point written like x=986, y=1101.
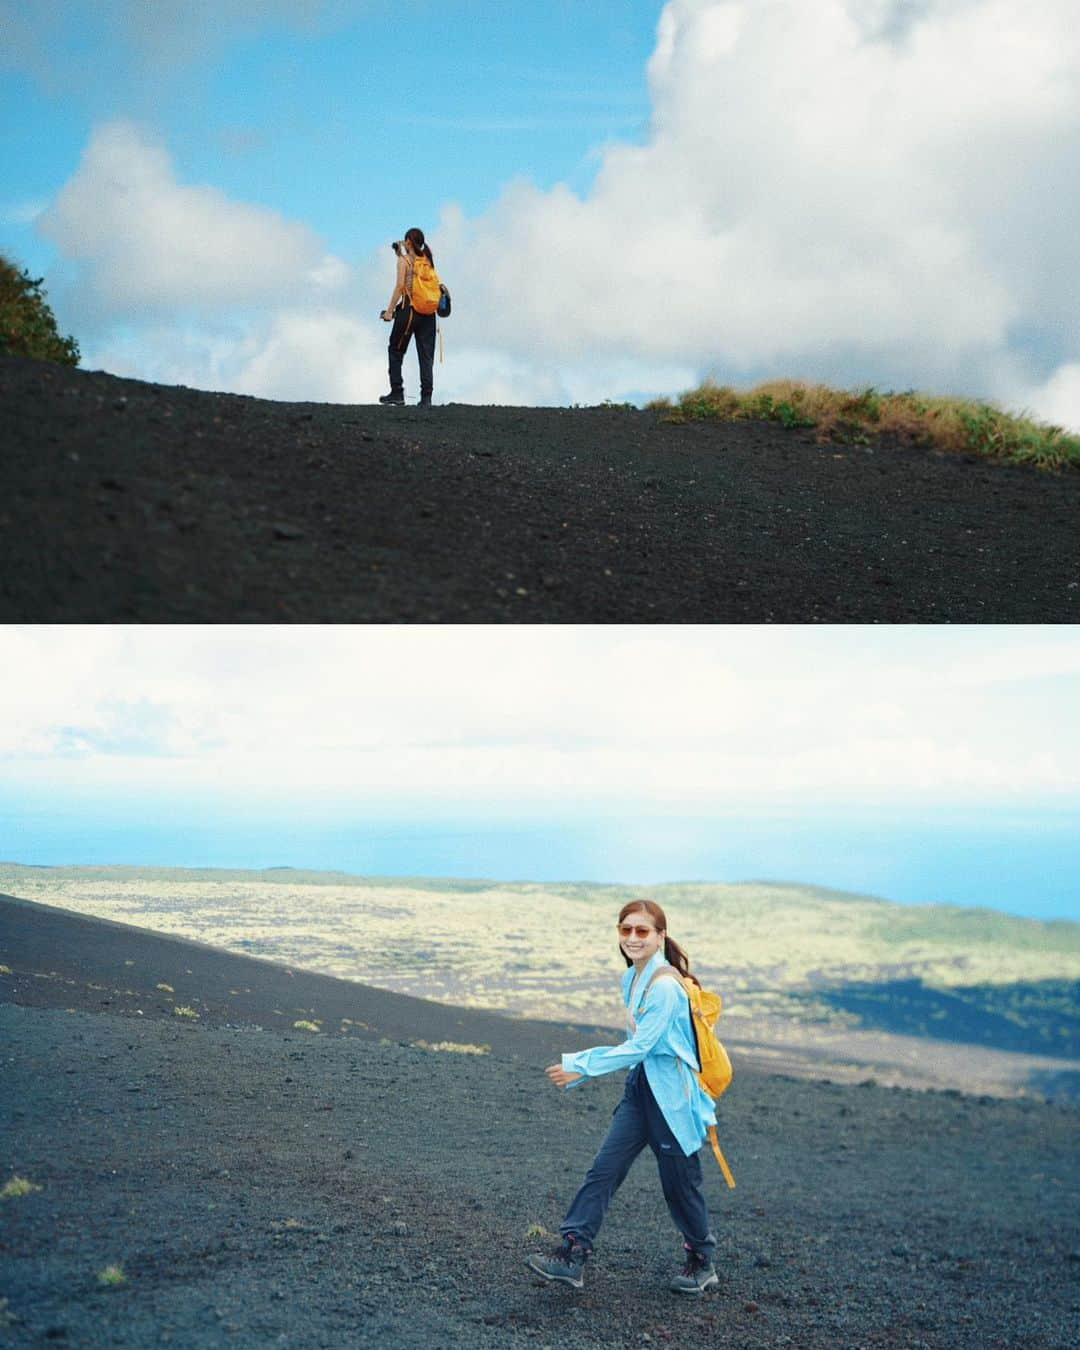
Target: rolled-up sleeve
x=660, y=1007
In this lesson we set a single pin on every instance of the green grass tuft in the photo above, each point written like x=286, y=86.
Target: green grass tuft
x=112, y=1276
x=852, y=417
x=18, y=1186
x=454, y=1047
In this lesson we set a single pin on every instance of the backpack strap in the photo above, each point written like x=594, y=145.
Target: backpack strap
x=661, y=970
x=720, y=1158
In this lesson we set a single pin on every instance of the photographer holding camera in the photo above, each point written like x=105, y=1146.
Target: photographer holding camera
x=415, y=269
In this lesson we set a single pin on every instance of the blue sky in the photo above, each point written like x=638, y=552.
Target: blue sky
x=349, y=122
x=920, y=764
x=625, y=196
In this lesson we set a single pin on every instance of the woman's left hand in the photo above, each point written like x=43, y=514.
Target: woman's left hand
x=560, y=1077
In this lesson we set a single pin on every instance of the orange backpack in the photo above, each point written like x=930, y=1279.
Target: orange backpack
x=425, y=290
x=714, y=1073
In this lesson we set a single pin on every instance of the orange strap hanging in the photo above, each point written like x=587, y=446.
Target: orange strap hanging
x=720, y=1157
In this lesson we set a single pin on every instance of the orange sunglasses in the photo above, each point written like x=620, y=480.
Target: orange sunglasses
x=634, y=930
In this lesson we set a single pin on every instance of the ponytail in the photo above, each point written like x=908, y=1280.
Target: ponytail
x=675, y=956
x=420, y=248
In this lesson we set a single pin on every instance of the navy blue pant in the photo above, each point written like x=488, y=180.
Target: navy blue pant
x=638, y=1121
x=407, y=325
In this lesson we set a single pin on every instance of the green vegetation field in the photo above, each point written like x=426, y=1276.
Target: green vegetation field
x=774, y=950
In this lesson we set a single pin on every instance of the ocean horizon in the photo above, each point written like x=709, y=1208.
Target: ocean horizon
x=1021, y=863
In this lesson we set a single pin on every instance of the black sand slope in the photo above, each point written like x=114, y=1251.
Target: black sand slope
x=61, y=959
x=286, y=1187
x=125, y=501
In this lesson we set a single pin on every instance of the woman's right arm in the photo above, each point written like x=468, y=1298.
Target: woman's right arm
x=399, y=289
x=660, y=1007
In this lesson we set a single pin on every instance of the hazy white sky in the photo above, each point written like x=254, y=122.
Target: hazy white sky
x=603, y=718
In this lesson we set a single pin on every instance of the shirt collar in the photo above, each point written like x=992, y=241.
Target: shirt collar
x=654, y=963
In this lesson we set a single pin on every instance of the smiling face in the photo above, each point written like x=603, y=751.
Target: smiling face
x=639, y=937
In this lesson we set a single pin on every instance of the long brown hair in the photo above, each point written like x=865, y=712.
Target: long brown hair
x=416, y=238
x=673, y=953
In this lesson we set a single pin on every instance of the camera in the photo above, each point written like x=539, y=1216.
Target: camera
x=397, y=246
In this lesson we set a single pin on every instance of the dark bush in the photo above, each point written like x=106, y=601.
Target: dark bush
x=27, y=325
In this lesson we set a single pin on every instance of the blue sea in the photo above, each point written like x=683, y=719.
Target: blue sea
x=1022, y=862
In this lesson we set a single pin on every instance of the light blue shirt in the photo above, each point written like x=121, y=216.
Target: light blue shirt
x=663, y=1041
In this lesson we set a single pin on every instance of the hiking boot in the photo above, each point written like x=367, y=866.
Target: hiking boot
x=425, y=402
x=392, y=398
x=566, y=1262
x=698, y=1274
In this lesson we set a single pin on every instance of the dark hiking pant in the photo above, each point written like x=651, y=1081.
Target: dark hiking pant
x=638, y=1121
x=408, y=324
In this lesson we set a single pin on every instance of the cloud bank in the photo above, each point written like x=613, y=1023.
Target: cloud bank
x=850, y=191
x=179, y=283
x=687, y=720
x=154, y=246
x=861, y=191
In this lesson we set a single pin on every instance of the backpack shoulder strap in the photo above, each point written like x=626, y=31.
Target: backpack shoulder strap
x=662, y=970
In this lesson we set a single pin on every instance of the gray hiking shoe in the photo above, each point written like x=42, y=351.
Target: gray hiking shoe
x=698, y=1274
x=566, y=1263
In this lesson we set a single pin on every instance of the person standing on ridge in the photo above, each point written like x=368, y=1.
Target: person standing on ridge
x=411, y=315
x=663, y=1106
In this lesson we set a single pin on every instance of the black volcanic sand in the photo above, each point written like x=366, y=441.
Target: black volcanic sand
x=125, y=501
x=292, y=1188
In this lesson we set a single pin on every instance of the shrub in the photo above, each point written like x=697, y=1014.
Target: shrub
x=853, y=416
x=27, y=325
x=18, y=1186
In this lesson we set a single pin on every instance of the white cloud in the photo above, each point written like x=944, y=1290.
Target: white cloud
x=180, y=284
x=314, y=354
x=840, y=190
x=152, y=246
x=689, y=719
x=303, y=355
x=1058, y=400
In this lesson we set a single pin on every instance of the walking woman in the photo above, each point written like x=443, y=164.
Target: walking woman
x=663, y=1106
x=409, y=322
